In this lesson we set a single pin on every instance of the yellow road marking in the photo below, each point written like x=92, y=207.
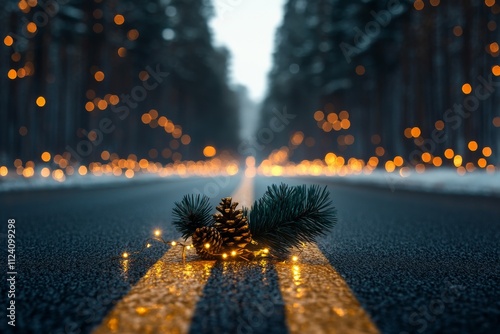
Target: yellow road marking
x=317, y=299
x=244, y=193
x=164, y=300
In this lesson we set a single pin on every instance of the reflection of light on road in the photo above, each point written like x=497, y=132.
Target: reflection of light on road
x=113, y=324
x=164, y=299
x=317, y=299
x=125, y=266
x=188, y=271
x=207, y=269
x=170, y=288
x=296, y=274
x=141, y=310
x=225, y=268
x=340, y=311
x=158, y=270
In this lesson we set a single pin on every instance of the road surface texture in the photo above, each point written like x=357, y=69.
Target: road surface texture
x=416, y=263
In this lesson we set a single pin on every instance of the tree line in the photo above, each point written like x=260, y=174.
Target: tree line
x=128, y=77
x=409, y=77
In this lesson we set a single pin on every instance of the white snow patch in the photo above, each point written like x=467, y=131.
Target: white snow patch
x=442, y=180
x=18, y=183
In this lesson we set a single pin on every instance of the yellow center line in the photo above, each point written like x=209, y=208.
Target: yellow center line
x=317, y=299
x=245, y=193
x=164, y=300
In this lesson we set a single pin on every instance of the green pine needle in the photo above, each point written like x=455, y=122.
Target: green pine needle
x=191, y=213
x=285, y=217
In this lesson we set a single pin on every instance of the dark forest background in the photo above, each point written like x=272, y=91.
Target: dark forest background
x=362, y=79
x=76, y=39
x=393, y=66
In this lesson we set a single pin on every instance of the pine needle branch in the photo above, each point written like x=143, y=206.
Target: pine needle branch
x=191, y=213
x=285, y=217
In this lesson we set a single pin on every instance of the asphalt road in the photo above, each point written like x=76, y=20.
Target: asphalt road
x=418, y=263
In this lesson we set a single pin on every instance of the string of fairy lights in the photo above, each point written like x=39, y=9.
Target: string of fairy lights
x=186, y=247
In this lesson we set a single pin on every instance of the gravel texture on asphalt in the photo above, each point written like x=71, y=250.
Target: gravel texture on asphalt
x=65, y=243
x=418, y=263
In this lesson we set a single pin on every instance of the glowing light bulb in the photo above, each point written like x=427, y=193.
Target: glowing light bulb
x=188, y=247
x=148, y=245
x=173, y=243
x=295, y=258
x=224, y=256
x=233, y=253
x=265, y=250
x=157, y=233
x=125, y=255
x=207, y=245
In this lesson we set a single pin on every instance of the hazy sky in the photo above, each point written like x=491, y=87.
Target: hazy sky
x=247, y=28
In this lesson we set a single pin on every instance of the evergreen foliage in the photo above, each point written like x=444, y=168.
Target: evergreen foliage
x=285, y=217
x=191, y=213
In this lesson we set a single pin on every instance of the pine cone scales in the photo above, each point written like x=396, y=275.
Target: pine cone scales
x=207, y=241
x=232, y=225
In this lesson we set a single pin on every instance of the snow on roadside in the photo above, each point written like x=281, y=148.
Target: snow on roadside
x=17, y=183
x=442, y=180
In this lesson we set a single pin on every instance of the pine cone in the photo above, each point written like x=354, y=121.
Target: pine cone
x=207, y=241
x=232, y=226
